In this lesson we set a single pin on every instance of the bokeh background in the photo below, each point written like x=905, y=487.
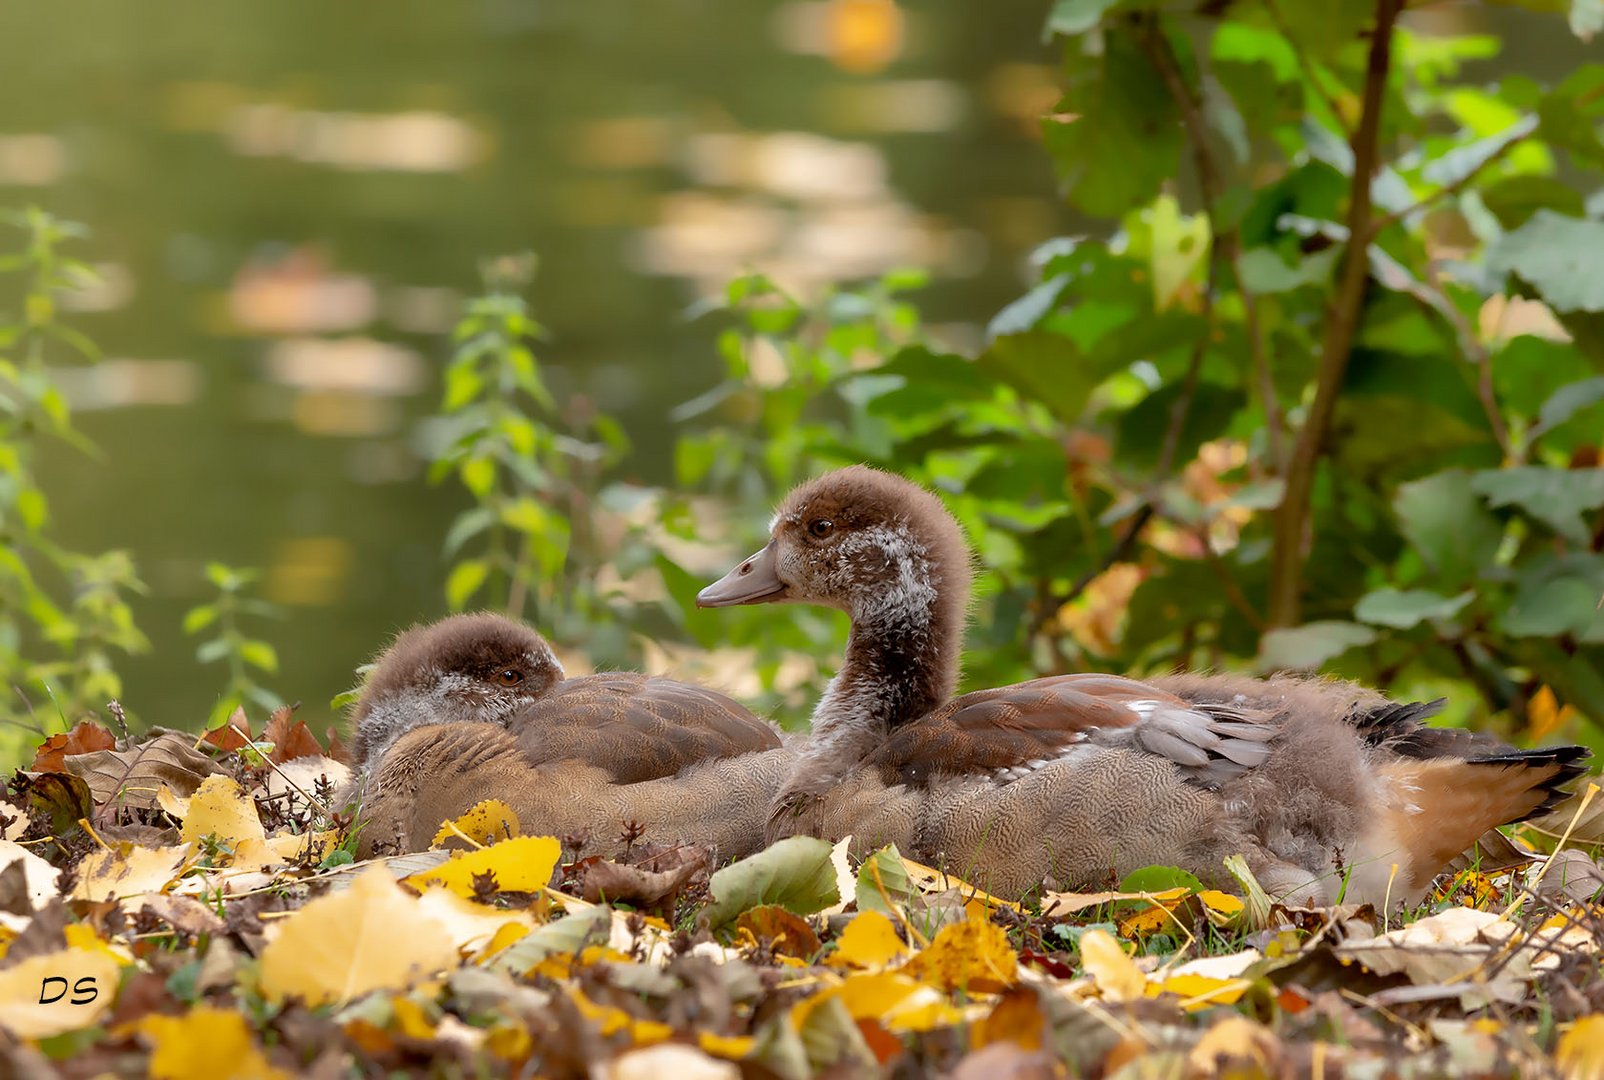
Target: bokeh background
x=289, y=203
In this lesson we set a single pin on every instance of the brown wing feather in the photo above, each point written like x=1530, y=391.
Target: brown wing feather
x=1001, y=731
x=637, y=727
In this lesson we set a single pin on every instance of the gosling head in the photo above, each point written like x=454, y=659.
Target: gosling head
x=475, y=668
x=874, y=545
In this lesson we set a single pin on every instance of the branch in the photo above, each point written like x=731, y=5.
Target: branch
x=1388, y=220
x=1342, y=320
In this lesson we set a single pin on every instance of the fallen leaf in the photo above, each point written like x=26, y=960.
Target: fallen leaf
x=61, y=798
x=883, y=883
x=126, y=870
x=1017, y=1018
x=372, y=936
x=869, y=941
x=1580, y=1053
x=184, y=913
x=651, y=890
x=930, y=880
x=1115, y=974
x=197, y=1045
x=38, y=876
x=522, y=864
x=300, y=778
x=220, y=807
x=85, y=975
x=485, y=823
x=232, y=734
x=471, y=925
x=795, y=873
x=896, y=1000
x=1067, y=903
x=1447, y=949
x=973, y=955
x=1200, y=991
x=668, y=1059
x=87, y=736
x=130, y=777
x=1237, y=1040
x=787, y=934
x=290, y=737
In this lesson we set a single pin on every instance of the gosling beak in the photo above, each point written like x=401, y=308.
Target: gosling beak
x=753, y=582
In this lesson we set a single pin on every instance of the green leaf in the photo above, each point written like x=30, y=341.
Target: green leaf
x=1303, y=648
x=1566, y=402
x=1556, y=497
x=1023, y=314
x=1122, y=113
x=883, y=882
x=468, y=524
x=1070, y=17
x=525, y=515
x=212, y=651
x=465, y=579
x=1451, y=528
x=1558, y=595
x=1561, y=257
x=1403, y=608
x=1263, y=271
x=199, y=618
x=1462, y=161
x=259, y=654
x=1043, y=367
x=1152, y=879
x=478, y=475
x=795, y=873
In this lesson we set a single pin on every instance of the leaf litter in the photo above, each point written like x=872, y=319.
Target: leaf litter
x=188, y=907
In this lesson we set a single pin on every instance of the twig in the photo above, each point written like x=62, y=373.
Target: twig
x=1342, y=320
x=1470, y=344
x=1387, y=220
x=1273, y=423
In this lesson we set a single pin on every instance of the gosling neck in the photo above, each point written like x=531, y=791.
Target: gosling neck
x=901, y=661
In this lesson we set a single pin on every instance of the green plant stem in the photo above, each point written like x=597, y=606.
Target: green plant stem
x=1341, y=324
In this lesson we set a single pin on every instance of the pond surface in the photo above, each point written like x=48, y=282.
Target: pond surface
x=290, y=200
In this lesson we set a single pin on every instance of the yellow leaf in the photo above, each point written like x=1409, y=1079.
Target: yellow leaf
x=971, y=955
x=1115, y=974
x=472, y=925
x=1237, y=1039
x=203, y=1044
x=729, y=1047
x=126, y=870
x=509, y=933
x=610, y=1019
x=372, y=936
x=509, y=1042
x=305, y=847
x=411, y=1020
x=85, y=976
x=1148, y=921
x=487, y=823
x=1544, y=714
x=900, y=1003
x=172, y=802
x=869, y=941
x=1580, y=1053
x=522, y=864
x=1201, y=991
x=220, y=807
x=1017, y=1019
x=1221, y=903
x=929, y=879
x=1067, y=903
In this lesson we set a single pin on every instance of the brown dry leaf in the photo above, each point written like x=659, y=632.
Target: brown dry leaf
x=87, y=736
x=1584, y=810
x=132, y=776
x=290, y=737
x=972, y=955
x=1017, y=1018
x=1115, y=974
x=1232, y=1043
x=1067, y=903
x=125, y=870
x=372, y=936
x=220, y=807
x=301, y=776
x=200, y=1044
x=869, y=941
x=522, y=864
x=87, y=976
x=788, y=934
x=1452, y=947
x=232, y=734
x=184, y=913
x=484, y=823
x=38, y=876
x=604, y=880
x=1006, y=1061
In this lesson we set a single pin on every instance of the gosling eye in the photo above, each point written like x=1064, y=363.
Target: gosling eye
x=821, y=527
x=509, y=677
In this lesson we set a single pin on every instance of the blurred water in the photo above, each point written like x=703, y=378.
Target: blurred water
x=289, y=200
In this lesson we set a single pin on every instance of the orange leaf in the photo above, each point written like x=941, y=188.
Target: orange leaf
x=290, y=738
x=86, y=737
x=233, y=734
x=788, y=934
x=1545, y=716
x=1017, y=1019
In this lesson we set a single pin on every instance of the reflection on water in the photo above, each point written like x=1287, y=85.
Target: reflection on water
x=289, y=202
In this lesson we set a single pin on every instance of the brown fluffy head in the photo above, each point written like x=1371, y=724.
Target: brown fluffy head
x=877, y=546
x=478, y=667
